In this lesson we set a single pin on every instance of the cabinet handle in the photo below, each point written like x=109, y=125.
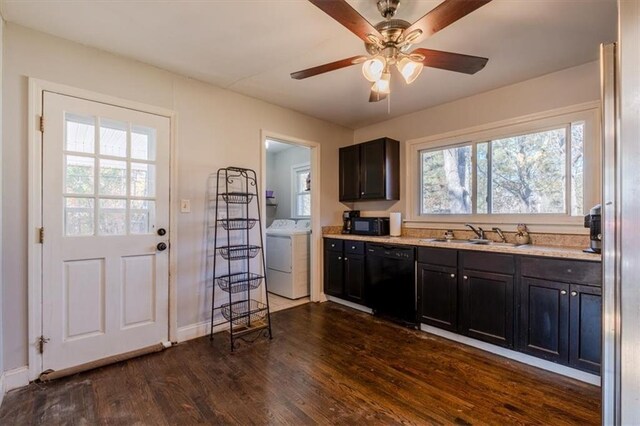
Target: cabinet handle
x=362, y=193
x=339, y=257
x=574, y=293
x=346, y=259
x=353, y=247
x=453, y=275
x=563, y=292
x=465, y=277
x=333, y=245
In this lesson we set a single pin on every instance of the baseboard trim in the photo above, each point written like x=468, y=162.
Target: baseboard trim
x=16, y=378
x=349, y=304
x=516, y=356
x=193, y=331
x=2, y=388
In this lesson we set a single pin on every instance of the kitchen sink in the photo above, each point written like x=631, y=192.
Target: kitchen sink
x=475, y=241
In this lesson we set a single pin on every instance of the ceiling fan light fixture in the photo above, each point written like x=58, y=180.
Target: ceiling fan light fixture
x=409, y=69
x=373, y=68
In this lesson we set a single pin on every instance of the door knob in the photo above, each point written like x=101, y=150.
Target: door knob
x=162, y=231
x=161, y=246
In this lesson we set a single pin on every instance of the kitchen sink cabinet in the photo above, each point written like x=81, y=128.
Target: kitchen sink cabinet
x=344, y=270
x=561, y=312
x=370, y=171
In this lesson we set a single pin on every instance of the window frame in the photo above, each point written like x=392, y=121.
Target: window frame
x=541, y=222
x=295, y=169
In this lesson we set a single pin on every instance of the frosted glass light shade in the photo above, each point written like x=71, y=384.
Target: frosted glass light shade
x=372, y=68
x=383, y=84
x=409, y=69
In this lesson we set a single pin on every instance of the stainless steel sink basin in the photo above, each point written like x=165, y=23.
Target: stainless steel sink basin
x=475, y=241
x=444, y=240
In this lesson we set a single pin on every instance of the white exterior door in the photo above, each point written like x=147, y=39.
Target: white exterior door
x=105, y=194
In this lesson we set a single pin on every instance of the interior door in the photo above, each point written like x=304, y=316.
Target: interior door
x=105, y=194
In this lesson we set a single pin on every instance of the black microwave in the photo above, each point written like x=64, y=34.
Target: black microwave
x=370, y=225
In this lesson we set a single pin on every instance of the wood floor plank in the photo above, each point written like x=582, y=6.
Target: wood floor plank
x=327, y=364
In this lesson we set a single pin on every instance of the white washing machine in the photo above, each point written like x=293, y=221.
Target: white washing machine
x=287, y=255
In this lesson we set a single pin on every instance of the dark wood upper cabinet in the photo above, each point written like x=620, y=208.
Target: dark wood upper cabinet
x=370, y=171
x=350, y=173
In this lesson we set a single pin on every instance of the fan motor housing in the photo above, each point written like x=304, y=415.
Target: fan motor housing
x=391, y=31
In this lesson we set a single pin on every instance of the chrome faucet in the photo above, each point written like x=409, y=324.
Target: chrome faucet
x=479, y=231
x=499, y=232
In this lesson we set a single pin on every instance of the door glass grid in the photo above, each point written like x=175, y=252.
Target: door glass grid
x=109, y=177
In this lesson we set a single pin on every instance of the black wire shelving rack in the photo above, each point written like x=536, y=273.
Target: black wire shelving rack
x=238, y=256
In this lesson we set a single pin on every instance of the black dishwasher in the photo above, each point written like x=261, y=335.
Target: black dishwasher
x=391, y=280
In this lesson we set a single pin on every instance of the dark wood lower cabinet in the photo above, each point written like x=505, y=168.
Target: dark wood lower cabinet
x=585, y=332
x=487, y=307
x=354, y=276
x=562, y=322
x=438, y=296
x=333, y=273
x=544, y=310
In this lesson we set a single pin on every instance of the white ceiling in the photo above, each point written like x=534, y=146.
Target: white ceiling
x=251, y=46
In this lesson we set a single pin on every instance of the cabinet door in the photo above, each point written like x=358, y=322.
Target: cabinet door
x=354, y=278
x=372, y=170
x=438, y=296
x=544, y=322
x=487, y=308
x=585, y=328
x=333, y=273
x=349, y=173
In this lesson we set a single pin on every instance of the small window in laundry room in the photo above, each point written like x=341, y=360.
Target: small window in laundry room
x=301, y=179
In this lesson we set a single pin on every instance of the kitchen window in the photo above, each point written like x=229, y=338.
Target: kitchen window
x=301, y=203
x=544, y=170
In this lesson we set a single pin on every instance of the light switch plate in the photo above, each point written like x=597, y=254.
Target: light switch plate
x=185, y=206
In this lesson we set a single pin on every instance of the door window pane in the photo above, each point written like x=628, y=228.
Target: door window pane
x=113, y=138
x=78, y=216
x=142, y=216
x=482, y=193
x=80, y=133
x=446, y=181
x=79, y=175
x=143, y=143
x=303, y=206
x=113, y=177
x=142, y=180
x=528, y=173
x=112, y=217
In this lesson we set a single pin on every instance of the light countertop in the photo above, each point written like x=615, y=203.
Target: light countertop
x=527, y=250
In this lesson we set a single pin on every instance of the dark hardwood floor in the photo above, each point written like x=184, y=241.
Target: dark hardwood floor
x=326, y=364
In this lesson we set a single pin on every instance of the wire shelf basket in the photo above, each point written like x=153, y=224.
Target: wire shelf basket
x=241, y=281
x=244, y=312
x=239, y=224
x=239, y=252
x=237, y=197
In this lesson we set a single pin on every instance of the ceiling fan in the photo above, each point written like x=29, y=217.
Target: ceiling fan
x=389, y=43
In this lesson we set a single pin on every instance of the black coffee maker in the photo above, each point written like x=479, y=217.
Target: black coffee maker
x=593, y=222
x=347, y=215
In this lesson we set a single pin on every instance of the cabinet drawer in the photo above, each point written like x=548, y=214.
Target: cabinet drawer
x=438, y=256
x=489, y=262
x=569, y=271
x=354, y=247
x=333, y=244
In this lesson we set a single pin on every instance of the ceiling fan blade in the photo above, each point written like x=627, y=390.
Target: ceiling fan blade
x=451, y=61
x=445, y=14
x=342, y=12
x=321, y=69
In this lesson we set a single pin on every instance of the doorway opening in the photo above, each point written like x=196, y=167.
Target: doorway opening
x=288, y=180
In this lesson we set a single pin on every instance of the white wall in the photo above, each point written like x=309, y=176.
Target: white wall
x=560, y=89
x=279, y=176
x=215, y=128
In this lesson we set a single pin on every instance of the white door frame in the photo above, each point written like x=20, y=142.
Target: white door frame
x=315, y=254
x=36, y=90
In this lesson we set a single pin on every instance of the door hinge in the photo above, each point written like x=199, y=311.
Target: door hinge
x=41, y=235
x=42, y=123
x=41, y=341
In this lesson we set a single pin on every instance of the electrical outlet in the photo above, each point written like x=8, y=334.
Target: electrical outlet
x=185, y=206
